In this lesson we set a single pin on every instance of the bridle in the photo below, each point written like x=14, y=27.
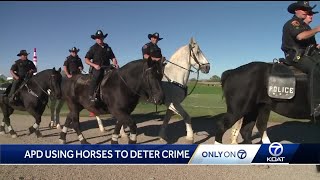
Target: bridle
x=195, y=58
x=144, y=74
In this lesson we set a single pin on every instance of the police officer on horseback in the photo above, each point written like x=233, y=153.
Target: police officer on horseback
x=299, y=46
x=151, y=49
x=100, y=54
x=73, y=64
x=21, y=70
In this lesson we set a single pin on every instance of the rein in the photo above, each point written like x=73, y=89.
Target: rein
x=191, y=54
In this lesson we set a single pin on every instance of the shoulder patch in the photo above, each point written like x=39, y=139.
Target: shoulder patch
x=145, y=47
x=295, y=23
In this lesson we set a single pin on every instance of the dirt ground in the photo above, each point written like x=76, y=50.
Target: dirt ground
x=148, y=128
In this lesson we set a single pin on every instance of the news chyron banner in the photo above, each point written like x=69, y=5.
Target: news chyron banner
x=274, y=153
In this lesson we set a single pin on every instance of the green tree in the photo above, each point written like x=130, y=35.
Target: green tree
x=215, y=78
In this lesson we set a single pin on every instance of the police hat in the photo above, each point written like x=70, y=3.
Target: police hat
x=312, y=12
x=74, y=49
x=99, y=34
x=156, y=35
x=304, y=5
x=23, y=52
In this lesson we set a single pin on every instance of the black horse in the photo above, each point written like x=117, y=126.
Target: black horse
x=246, y=92
x=33, y=98
x=120, y=91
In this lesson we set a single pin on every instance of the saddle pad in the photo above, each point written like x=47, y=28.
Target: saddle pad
x=282, y=82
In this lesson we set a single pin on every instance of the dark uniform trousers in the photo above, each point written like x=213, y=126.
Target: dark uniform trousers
x=310, y=66
x=97, y=76
x=15, y=85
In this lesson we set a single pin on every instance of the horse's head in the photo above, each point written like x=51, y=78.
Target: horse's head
x=197, y=58
x=152, y=75
x=55, y=83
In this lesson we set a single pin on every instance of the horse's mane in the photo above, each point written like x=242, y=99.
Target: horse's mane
x=133, y=64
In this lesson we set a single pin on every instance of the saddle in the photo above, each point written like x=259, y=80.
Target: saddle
x=85, y=80
x=282, y=80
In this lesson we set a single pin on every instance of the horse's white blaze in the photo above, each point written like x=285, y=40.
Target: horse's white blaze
x=265, y=138
x=115, y=137
x=235, y=131
x=64, y=129
x=35, y=125
x=133, y=137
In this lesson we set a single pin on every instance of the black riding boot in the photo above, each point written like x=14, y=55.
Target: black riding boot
x=12, y=91
x=92, y=97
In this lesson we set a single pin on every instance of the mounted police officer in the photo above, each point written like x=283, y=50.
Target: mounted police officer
x=298, y=45
x=100, y=54
x=73, y=64
x=151, y=49
x=20, y=70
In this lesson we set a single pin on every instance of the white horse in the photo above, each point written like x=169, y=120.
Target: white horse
x=176, y=75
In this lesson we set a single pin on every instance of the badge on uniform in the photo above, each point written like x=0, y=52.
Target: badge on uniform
x=296, y=24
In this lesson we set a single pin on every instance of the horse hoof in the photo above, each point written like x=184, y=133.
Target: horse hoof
x=38, y=134
x=318, y=168
x=31, y=130
x=13, y=134
x=61, y=141
x=114, y=142
x=2, y=130
x=132, y=142
x=84, y=142
x=50, y=126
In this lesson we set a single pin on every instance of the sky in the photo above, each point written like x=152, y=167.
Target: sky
x=230, y=34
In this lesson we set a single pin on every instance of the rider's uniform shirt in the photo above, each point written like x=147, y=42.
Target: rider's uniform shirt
x=73, y=64
x=152, y=50
x=100, y=55
x=22, y=67
x=291, y=30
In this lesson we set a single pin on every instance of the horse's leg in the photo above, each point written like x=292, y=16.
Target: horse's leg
x=224, y=124
x=121, y=119
x=52, y=108
x=2, y=125
x=100, y=124
x=187, y=120
x=166, y=119
x=58, y=109
x=262, y=122
x=76, y=127
x=63, y=133
x=35, y=127
x=7, y=111
x=235, y=131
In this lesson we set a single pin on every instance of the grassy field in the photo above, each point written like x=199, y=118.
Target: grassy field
x=206, y=100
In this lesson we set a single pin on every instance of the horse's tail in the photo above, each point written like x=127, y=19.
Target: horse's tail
x=224, y=77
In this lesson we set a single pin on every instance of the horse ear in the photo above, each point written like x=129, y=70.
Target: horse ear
x=54, y=68
x=192, y=40
x=59, y=69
